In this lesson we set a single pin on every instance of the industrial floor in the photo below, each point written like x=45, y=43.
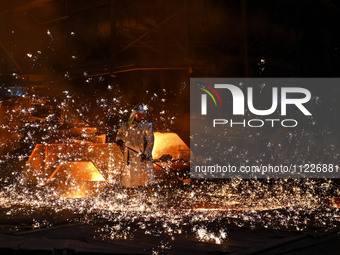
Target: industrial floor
x=184, y=219
x=78, y=239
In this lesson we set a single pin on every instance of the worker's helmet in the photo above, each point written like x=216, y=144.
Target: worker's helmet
x=141, y=108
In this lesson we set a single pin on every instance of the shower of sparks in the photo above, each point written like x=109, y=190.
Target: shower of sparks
x=202, y=208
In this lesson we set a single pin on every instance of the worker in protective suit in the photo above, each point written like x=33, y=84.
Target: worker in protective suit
x=136, y=139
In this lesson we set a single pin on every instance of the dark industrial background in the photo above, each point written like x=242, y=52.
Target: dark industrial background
x=156, y=45
x=99, y=58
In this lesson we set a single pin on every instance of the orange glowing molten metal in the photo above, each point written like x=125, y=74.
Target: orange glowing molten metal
x=170, y=143
x=73, y=169
x=81, y=170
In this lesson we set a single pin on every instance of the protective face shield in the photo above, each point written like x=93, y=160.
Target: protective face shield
x=138, y=113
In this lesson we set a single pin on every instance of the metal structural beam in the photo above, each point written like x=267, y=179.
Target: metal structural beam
x=207, y=35
x=164, y=21
x=10, y=57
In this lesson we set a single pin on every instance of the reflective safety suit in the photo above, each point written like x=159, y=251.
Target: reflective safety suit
x=137, y=170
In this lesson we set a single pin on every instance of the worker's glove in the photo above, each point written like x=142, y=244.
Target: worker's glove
x=120, y=143
x=146, y=157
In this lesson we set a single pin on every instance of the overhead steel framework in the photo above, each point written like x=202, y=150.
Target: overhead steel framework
x=115, y=36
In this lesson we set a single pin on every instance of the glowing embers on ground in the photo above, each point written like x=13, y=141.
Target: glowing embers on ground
x=205, y=209
x=334, y=202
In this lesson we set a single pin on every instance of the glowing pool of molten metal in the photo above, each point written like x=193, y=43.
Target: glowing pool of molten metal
x=169, y=143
